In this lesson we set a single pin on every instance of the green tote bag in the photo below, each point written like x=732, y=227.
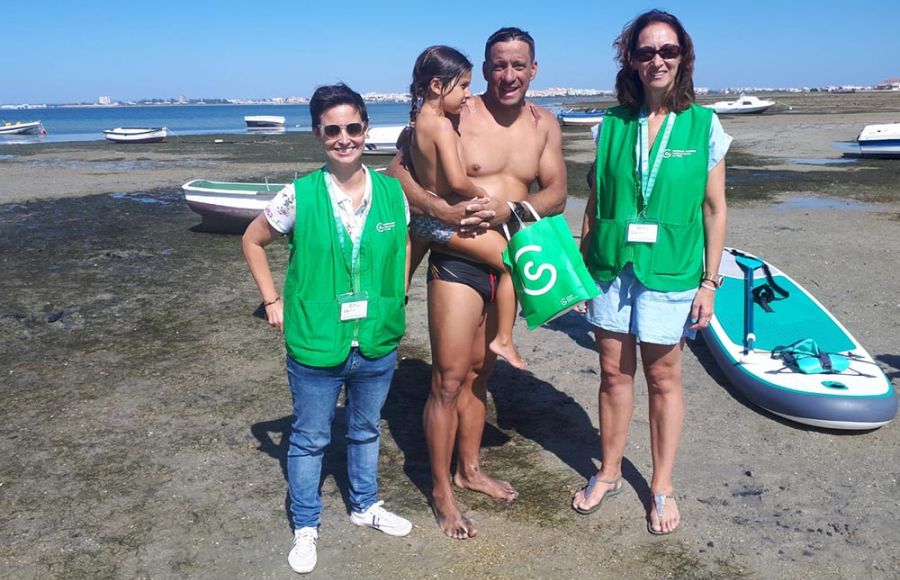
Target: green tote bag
x=547, y=269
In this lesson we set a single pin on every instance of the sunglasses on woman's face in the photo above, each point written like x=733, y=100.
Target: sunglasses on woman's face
x=665, y=52
x=334, y=131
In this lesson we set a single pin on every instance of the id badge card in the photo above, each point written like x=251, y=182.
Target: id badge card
x=642, y=231
x=354, y=305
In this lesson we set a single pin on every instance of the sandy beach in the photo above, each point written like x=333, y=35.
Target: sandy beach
x=145, y=411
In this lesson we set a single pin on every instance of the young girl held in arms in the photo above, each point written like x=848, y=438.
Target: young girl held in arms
x=441, y=79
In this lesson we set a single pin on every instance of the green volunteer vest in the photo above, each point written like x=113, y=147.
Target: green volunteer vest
x=319, y=270
x=675, y=261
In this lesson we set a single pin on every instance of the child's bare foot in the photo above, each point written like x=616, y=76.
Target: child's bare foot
x=507, y=351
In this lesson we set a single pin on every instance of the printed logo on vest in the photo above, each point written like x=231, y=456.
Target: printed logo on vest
x=678, y=153
x=532, y=273
x=385, y=226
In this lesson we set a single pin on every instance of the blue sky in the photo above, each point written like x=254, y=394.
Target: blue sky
x=67, y=51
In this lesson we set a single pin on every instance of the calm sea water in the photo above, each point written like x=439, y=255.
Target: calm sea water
x=88, y=123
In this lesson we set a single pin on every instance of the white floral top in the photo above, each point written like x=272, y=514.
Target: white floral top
x=281, y=213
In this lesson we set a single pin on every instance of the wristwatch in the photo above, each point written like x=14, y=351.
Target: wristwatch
x=521, y=212
x=715, y=279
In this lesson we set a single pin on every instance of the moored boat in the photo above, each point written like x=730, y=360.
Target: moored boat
x=137, y=134
x=747, y=105
x=267, y=121
x=22, y=128
x=383, y=140
x=228, y=205
x=785, y=352
x=881, y=140
x=587, y=118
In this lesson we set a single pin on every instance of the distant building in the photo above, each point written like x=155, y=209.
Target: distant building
x=105, y=100
x=890, y=84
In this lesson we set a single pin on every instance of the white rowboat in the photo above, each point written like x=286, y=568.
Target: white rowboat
x=264, y=121
x=228, y=205
x=137, y=134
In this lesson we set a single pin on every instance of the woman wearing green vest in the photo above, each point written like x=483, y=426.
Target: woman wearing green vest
x=656, y=214
x=342, y=312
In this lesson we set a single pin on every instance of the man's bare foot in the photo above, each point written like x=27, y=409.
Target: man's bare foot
x=507, y=351
x=481, y=482
x=664, y=515
x=450, y=520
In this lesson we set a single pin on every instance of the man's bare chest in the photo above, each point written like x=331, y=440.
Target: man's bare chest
x=502, y=152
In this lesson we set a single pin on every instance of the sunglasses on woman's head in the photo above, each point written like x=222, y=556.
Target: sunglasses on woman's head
x=665, y=52
x=352, y=129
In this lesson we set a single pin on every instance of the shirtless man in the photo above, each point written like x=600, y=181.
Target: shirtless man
x=508, y=144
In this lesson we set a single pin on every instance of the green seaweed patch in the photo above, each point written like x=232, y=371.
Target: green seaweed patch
x=544, y=495
x=675, y=560
x=752, y=178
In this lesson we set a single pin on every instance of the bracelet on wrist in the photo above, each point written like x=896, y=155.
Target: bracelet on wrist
x=709, y=285
x=272, y=301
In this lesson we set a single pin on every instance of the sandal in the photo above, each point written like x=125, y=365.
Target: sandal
x=617, y=487
x=660, y=500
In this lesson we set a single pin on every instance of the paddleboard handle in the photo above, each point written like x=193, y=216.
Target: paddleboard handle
x=749, y=265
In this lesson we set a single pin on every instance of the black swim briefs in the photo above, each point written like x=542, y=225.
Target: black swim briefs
x=480, y=277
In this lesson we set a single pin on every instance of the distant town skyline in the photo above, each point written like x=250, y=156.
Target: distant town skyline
x=66, y=52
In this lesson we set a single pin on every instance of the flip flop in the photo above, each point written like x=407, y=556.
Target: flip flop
x=660, y=500
x=617, y=488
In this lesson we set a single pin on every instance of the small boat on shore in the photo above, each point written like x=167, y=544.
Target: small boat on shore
x=137, y=134
x=785, y=352
x=22, y=128
x=383, y=140
x=228, y=205
x=264, y=121
x=743, y=105
x=880, y=141
x=587, y=118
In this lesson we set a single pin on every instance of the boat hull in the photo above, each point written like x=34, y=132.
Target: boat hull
x=744, y=105
x=580, y=121
x=383, y=140
x=136, y=135
x=30, y=128
x=740, y=110
x=264, y=121
x=226, y=206
x=860, y=398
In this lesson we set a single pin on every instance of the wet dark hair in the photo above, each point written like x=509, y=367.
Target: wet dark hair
x=441, y=62
x=329, y=96
x=508, y=34
x=629, y=89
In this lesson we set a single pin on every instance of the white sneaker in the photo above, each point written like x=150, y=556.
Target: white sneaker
x=302, y=557
x=379, y=518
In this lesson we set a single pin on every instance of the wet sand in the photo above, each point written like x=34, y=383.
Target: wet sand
x=145, y=411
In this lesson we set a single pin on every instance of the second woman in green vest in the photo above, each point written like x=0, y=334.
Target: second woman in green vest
x=342, y=312
x=656, y=214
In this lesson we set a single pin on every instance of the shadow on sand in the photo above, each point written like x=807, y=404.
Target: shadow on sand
x=273, y=441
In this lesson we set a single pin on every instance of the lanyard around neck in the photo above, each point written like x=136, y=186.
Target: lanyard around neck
x=344, y=236
x=642, y=154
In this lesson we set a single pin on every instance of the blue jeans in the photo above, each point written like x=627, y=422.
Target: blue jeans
x=315, y=393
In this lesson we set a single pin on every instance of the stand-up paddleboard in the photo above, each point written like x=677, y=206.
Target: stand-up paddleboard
x=760, y=313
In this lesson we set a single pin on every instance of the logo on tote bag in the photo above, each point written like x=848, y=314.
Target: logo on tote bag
x=532, y=273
